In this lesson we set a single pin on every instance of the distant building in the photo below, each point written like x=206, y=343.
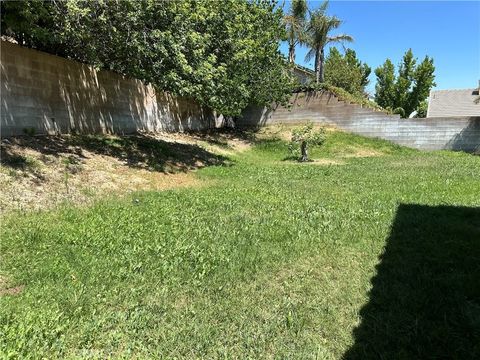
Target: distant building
x=303, y=74
x=448, y=103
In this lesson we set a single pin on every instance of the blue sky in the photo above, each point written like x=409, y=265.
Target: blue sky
x=448, y=31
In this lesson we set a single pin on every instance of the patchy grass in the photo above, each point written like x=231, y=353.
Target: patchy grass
x=375, y=258
x=48, y=171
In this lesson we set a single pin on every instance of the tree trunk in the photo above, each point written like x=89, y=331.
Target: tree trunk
x=291, y=53
x=318, y=75
x=303, y=149
x=322, y=69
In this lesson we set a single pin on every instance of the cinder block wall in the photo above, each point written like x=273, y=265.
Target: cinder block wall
x=325, y=108
x=51, y=94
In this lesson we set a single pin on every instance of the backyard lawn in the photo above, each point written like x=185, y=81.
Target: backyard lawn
x=370, y=251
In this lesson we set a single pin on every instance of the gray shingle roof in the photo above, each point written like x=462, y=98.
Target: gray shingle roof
x=461, y=102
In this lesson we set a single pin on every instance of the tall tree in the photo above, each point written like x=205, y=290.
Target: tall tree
x=407, y=91
x=346, y=71
x=295, y=26
x=354, y=62
x=318, y=36
x=404, y=81
x=423, y=82
x=385, y=87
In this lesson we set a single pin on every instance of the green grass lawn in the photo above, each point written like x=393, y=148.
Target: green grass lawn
x=372, y=257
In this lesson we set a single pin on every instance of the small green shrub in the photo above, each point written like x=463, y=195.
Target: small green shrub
x=302, y=138
x=400, y=111
x=422, y=109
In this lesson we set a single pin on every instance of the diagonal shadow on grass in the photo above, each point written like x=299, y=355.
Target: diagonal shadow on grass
x=136, y=151
x=425, y=299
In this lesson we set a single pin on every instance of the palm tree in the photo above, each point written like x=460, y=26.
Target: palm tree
x=318, y=37
x=295, y=24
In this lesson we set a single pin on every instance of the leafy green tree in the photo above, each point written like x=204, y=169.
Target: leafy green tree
x=303, y=138
x=318, y=36
x=424, y=80
x=385, y=87
x=29, y=22
x=225, y=56
x=295, y=22
x=405, y=92
x=346, y=71
x=404, y=81
x=365, y=70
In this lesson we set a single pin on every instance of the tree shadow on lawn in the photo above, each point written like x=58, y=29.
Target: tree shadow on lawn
x=138, y=151
x=425, y=300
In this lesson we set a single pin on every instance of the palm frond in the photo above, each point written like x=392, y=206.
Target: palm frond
x=323, y=8
x=310, y=54
x=339, y=38
x=318, y=29
x=298, y=9
x=332, y=22
x=294, y=22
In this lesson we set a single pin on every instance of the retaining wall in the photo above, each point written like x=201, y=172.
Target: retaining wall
x=325, y=108
x=50, y=94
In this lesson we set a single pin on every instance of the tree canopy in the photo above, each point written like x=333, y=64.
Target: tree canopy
x=346, y=71
x=224, y=54
x=319, y=35
x=407, y=91
x=295, y=24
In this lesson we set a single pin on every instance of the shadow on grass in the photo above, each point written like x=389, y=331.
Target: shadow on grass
x=425, y=300
x=17, y=161
x=137, y=151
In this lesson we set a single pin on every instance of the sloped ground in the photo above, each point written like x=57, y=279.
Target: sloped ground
x=376, y=257
x=46, y=171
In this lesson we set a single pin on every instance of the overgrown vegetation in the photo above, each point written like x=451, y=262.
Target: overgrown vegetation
x=226, y=57
x=273, y=260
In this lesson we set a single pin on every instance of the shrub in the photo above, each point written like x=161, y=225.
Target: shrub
x=400, y=111
x=302, y=138
x=422, y=109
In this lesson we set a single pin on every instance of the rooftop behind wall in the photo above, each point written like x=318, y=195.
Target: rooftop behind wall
x=323, y=107
x=47, y=94
x=443, y=103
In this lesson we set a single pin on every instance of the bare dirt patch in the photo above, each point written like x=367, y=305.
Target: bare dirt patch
x=362, y=152
x=5, y=289
x=327, y=162
x=44, y=171
x=321, y=162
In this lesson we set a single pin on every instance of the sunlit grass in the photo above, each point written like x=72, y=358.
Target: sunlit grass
x=273, y=260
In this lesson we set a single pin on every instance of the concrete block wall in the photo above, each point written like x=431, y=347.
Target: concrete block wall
x=323, y=107
x=51, y=95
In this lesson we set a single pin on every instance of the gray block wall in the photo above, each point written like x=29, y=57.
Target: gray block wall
x=323, y=107
x=53, y=95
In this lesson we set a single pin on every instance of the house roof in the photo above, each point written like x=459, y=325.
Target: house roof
x=458, y=102
x=304, y=69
